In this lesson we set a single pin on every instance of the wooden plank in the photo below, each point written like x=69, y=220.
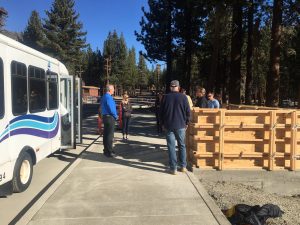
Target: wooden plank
x=272, y=140
x=293, y=140
x=221, y=138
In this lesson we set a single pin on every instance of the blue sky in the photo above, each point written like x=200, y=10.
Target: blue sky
x=98, y=17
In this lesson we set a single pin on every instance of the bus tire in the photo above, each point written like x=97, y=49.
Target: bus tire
x=23, y=172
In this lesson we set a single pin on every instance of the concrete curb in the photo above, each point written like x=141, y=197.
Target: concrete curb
x=215, y=210
x=38, y=205
x=27, y=217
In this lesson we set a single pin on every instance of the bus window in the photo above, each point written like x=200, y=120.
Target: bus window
x=1, y=90
x=37, y=89
x=19, y=88
x=52, y=80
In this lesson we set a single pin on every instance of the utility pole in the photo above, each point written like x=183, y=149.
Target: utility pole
x=79, y=72
x=107, y=67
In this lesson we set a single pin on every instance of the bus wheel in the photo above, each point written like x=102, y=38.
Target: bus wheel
x=22, y=172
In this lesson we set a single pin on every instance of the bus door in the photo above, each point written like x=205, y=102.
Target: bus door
x=78, y=110
x=70, y=111
x=67, y=116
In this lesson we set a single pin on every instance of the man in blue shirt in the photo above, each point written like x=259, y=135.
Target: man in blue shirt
x=109, y=115
x=175, y=115
x=212, y=102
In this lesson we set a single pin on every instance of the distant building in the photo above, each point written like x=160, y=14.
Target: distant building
x=90, y=94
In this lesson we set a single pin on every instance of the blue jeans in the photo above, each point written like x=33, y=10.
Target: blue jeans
x=179, y=135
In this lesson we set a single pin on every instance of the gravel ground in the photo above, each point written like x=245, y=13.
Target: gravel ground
x=227, y=194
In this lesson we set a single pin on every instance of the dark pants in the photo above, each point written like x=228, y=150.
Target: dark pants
x=108, y=134
x=126, y=121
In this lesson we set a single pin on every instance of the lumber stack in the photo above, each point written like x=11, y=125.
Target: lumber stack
x=244, y=139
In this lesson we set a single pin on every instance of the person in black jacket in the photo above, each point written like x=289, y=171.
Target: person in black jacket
x=126, y=115
x=201, y=100
x=175, y=116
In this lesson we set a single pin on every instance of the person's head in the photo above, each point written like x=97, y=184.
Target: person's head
x=174, y=86
x=125, y=97
x=182, y=90
x=110, y=89
x=210, y=95
x=200, y=92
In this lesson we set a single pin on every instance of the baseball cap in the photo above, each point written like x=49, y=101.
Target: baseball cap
x=174, y=83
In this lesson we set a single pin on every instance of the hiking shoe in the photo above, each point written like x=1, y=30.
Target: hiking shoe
x=182, y=169
x=173, y=172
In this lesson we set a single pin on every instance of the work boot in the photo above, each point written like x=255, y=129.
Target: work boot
x=182, y=169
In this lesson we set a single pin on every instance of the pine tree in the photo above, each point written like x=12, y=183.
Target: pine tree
x=189, y=17
x=157, y=33
x=131, y=82
x=142, y=73
x=65, y=38
x=34, y=36
x=3, y=15
x=110, y=52
x=236, y=53
x=93, y=67
x=273, y=78
x=249, y=76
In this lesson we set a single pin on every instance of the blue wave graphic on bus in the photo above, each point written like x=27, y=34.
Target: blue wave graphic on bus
x=39, y=126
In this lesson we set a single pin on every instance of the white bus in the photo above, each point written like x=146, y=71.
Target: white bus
x=38, y=115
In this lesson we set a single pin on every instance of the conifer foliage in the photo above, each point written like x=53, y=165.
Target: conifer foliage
x=64, y=36
x=34, y=35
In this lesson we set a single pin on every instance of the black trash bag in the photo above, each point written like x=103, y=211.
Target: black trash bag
x=254, y=215
x=269, y=211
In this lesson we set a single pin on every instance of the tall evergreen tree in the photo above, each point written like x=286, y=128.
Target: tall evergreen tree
x=249, y=76
x=121, y=70
x=92, y=70
x=34, y=36
x=236, y=53
x=189, y=17
x=273, y=78
x=142, y=72
x=65, y=38
x=131, y=82
x=110, y=53
x=3, y=15
x=157, y=33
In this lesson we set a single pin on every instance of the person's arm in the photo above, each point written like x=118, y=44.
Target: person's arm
x=217, y=104
x=187, y=111
x=161, y=111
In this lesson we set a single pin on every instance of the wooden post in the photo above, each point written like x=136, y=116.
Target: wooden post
x=293, y=140
x=272, y=139
x=221, y=138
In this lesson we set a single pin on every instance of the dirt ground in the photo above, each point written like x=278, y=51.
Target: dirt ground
x=228, y=193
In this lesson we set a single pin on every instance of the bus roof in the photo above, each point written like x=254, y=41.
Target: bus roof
x=17, y=45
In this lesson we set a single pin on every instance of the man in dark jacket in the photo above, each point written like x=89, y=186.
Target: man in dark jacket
x=201, y=100
x=175, y=115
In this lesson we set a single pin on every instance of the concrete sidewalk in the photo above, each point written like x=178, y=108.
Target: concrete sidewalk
x=133, y=188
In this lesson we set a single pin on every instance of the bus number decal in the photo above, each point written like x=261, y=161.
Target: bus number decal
x=2, y=176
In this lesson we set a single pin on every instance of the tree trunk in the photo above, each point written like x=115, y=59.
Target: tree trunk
x=236, y=48
x=249, y=77
x=188, y=47
x=216, y=48
x=169, y=75
x=273, y=78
